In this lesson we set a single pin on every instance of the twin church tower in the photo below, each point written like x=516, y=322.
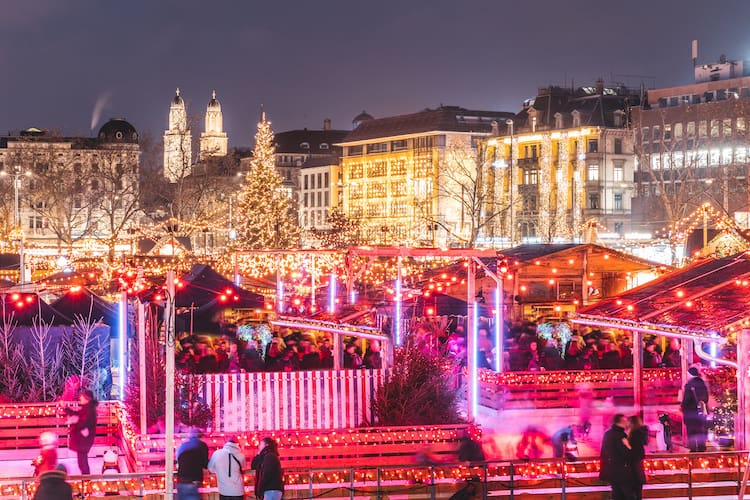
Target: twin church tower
x=178, y=139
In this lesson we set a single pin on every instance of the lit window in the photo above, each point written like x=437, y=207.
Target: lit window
x=593, y=173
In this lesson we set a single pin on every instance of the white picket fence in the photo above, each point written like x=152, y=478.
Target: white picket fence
x=320, y=399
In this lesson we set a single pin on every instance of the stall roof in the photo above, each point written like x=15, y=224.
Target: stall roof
x=83, y=302
x=708, y=297
x=24, y=309
x=204, y=287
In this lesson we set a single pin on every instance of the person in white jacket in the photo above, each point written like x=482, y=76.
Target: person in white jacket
x=228, y=463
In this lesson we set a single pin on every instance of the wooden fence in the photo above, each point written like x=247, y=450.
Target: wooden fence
x=565, y=389
x=321, y=399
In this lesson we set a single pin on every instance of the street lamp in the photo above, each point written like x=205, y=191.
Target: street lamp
x=17, y=230
x=511, y=184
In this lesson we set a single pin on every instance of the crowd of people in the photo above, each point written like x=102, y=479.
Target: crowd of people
x=293, y=352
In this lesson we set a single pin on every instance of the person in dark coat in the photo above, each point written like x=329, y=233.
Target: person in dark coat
x=638, y=439
x=83, y=428
x=192, y=458
x=372, y=359
x=269, y=477
x=672, y=356
x=52, y=485
x=615, y=467
x=694, y=404
x=352, y=360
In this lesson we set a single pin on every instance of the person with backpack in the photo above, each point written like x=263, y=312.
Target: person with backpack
x=228, y=464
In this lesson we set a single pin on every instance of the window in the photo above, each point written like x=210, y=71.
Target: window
x=593, y=146
x=378, y=147
x=696, y=99
x=726, y=127
x=618, y=201
x=398, y=145
x=593, y=173
x=531, y=176
x=326, y=199
x=618, y=146
x=307, y=184
x=593, y=201
x=691, y=129
x=354, y=151
x=94, y=184
x=668, y=132
x=312, y=181
x=674, y=101
x=703, y=129
x=708, y=96
x=645, y=134
x=36, y=222
x=656, y=134
x=714, y=128
x=678, y=131
x=77, y=202
x=320, y=181
x=326, y=180
x=323, y=145
x=306, y=201
x=617, y=175
x=740, y=126
x=304, y=145
x=320, y=199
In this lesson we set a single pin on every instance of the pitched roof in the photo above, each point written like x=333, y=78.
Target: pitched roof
x=707, y=297
x=291, y=141
x=444, y=118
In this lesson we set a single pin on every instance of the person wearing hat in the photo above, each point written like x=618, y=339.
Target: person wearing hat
x=52, y=485
x=694, y=410
x=192, y=458
x=83, y=428
x=227, y=463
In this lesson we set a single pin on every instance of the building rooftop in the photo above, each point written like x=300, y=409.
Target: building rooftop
x=442, y=119
x=313, y=142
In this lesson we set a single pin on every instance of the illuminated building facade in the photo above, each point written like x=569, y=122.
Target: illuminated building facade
x=401, y=175
x=70, y=192
x=562, y=168
x=691, y=143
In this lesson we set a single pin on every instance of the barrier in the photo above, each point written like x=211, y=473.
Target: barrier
x=698, y=476
x=320, y=399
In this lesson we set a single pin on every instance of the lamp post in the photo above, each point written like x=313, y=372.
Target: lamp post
x=17, y=174
x=511, y=185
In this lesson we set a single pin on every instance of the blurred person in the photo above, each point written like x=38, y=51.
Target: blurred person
x=326, y=353
x=269, y=476
x=372, y=359
x=535, y=363
x=694, y=407
x=638, y=439
x=53, y=485
x=228, y=464
x=672, y=356
x=651, y=358
x=563, y=443
x=83, y=428
x=609, y=359
x=551, y=357
x=352, y=360
x=626, y=352
x=309, y=357
x=615, y=467
x=589, y=360
x=47, y=459
x=573, y=353
x=192, y=458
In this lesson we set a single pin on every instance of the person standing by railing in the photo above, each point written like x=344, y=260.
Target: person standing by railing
x=638, y=439
x=228, y=463
x=83, y=428
x=269, y=477
x=694, y=410
x=192, y=458
x=615, y=467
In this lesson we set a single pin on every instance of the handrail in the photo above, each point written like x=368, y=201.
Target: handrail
x=505, y=475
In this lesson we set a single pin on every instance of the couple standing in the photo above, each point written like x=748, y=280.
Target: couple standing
x=622, y=457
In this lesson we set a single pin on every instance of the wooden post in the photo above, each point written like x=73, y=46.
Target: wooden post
x=169, y=405
x=141, y=322
x=638, y=372
x=338, y=351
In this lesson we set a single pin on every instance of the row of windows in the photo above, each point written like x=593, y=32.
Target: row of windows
x=322, y=197
x=592, y=146
x=377, y=169
x=699, y=158
x=426, y=142
x=314, y=218
x=323, y=180
x=709, y=96
x=725, y=127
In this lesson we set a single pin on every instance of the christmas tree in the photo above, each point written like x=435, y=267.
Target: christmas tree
x=343, y=232
x=266, y=218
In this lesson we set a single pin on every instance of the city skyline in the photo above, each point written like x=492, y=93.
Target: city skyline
x=74, y=66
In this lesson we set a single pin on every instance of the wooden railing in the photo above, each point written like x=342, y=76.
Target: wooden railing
x=565, y=389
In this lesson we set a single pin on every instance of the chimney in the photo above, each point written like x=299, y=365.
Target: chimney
x=600, y=86
x=694, y=46
x=495, y=128
x=327, y=124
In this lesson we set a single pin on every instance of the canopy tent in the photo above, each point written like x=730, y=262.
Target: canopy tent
x=83, y=302
x=204, y=287
x=24, y=309
x=707, y=299
x=702, y=303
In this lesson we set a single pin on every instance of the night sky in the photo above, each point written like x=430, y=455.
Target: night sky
x=308, y=60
